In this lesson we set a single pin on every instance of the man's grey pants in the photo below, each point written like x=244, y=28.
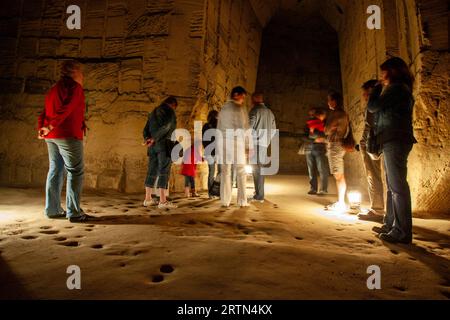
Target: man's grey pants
x=374, y=180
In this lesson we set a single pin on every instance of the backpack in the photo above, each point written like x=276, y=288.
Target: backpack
x=215, y=189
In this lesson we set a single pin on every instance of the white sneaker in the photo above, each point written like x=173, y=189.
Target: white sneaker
x=337, y=207
x=167, y=206
x=150, y=203
x=253, y=200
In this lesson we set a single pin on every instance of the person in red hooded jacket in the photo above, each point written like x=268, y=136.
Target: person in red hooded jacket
x=62, y=126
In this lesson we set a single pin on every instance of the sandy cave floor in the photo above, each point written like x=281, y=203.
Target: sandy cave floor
x=286, y=248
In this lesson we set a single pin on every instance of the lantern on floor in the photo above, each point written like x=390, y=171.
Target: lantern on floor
x=355, y=199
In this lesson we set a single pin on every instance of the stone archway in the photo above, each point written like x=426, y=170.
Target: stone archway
x=299, y=64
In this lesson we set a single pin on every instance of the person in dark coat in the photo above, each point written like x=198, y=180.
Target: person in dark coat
x=392, y=103
x=161, y=123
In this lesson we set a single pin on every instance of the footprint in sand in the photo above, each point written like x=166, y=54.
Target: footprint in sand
x=29, y=237
x=400, y=288
x=139, y=252
x=49, y=232
x=371, y=241
x=70, y=244
x=60, y=239
x=45, y=227
x=394, y=252
x=157, y=278
x=97, y=246
x=88, y=229
x=299, y=238
x=167, y=268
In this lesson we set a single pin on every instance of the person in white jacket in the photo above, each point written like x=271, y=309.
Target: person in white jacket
x=233, y=125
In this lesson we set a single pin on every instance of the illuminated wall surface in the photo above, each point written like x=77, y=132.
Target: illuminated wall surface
x=138, y=51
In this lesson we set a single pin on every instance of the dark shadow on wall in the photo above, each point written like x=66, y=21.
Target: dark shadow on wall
x=11, y=287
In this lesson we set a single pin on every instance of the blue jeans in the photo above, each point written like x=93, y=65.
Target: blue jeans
x=398, y=212
x=159, y=164
x=64, y=155
x=316, y=160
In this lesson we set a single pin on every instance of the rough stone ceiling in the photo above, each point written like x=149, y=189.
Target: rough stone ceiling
x=330, y=10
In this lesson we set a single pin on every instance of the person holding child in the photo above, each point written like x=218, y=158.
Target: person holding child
x=316, y=153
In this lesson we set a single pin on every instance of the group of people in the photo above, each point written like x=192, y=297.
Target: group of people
x=388, y=132
x=224, y=156
x=386, y=143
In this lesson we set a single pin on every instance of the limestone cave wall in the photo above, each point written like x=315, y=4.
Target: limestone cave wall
x=231, y=49
x=134, y=53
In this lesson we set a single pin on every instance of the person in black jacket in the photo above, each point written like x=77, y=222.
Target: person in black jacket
x=392, y=102
x=210, y=144
x=161, y=123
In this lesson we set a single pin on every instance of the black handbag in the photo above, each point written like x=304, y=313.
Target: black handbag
x=215, y=188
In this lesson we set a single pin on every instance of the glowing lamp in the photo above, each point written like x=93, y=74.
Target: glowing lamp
x=355, y=199
x=248, y=169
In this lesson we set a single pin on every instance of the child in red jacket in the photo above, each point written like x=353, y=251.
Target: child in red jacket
x=189, y=170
